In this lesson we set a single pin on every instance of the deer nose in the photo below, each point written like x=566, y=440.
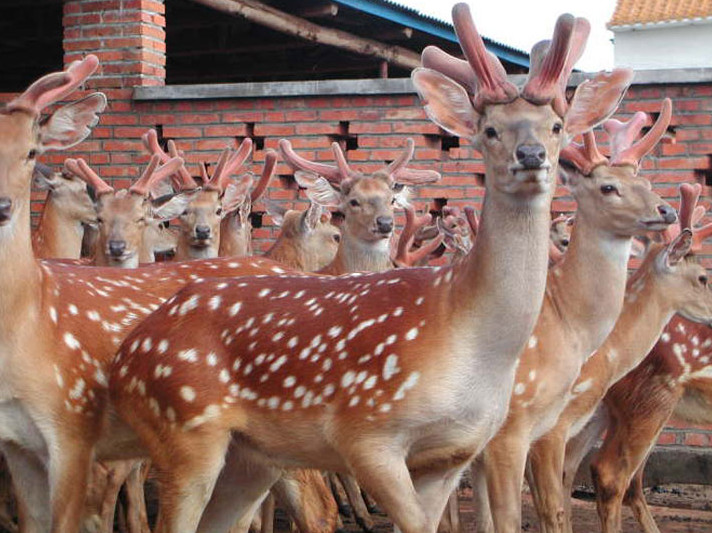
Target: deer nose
x=5, y=208
x=117, y=248
x=202, y=232
x=384, y=224
x=668, y=213
x=531, y=156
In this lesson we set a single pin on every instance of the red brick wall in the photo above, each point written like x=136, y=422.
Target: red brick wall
x=128, y=36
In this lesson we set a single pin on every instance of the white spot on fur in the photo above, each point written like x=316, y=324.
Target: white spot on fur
x=390, y=367
x=187, y=393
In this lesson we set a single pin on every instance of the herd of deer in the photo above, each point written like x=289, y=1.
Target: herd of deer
x=235, y=374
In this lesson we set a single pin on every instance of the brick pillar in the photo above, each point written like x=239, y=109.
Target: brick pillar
x=128, y=36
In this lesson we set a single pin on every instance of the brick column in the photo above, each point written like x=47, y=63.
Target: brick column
x=128, y=36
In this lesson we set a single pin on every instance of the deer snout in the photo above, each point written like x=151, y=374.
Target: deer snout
x=117, y=248
x=384, y=224
x=531, y=156
x=202, y=232
x=5, y=209
x=668, y=213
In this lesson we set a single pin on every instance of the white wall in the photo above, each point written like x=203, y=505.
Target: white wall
x=666, y=47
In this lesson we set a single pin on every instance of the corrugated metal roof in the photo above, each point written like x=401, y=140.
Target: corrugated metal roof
x=634, y=12
x=411, y=17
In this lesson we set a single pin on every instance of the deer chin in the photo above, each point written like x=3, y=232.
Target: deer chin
x=126, y=260
x=654, y=225
x=201, y=243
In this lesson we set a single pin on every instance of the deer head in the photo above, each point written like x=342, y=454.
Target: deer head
x=519, y=132
x=307, y=240
x=560, y=232
x=610, y=191
x=23, y=136
x=124, y=215
x=367, y=201
x=66, y=192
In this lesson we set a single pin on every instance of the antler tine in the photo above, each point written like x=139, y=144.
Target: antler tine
x=403, y=159
x=140, y=186
x=79, y=168
x=584, y=156
x=582, y=29
x=204, y=172
x=472, y=220
x=624, y=132
x=404, y=257
x=341, y=162
x=492, y=84
x=215, y=178
x=185, y=180
x=232, y=164
x=543, y=81
x=53, y=87
x=267, y=173
x=333, y=174
x=457, y=69
x=633, y=154
x=689, y=195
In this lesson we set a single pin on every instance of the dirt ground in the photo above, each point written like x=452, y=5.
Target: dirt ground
x=677, y=509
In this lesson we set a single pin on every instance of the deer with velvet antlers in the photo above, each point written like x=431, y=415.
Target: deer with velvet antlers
x=667, y=282
x=62, y=323
x=614, y=204
x=399, y=377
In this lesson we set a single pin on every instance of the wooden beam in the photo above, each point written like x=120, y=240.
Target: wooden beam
x=326, y=10
x=265, y=15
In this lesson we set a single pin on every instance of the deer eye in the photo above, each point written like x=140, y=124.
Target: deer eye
x=354, y=203
x=337, y=238
x=31, y=154
x=491, y=133
x=557, y=128
x=218, y=211
x=608, y=189
x=703, y=279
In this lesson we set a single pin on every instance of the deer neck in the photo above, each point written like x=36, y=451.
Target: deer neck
x=646, y=312
x=58, y=235
x=21, y=277
x=587, y=288
x=235, y=238
x=497, y=290
x=357, y=255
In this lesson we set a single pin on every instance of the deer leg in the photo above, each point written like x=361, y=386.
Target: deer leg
x=30, y=481
x=504, y=460
x=353, y=491
x=545, y=474
x=370, y=502
x=307, y=500
x=268, y=514
x=483, y=512
x=434, y=488
x=185, y=491
x=635, y=499
x=69, y=468
x=339, y=494
x=450, y=521
x=241, y=488
x=382, y=471
x=136, y=514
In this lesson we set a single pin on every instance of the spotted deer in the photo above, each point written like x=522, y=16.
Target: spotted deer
x=668, y=282
x=675, y=379
x=217, y=221
x=67, y=209
x=614, y=204
x=398, y=377
x=62, y=323
x=127, y=217
x=367, y=202
x=307, y=240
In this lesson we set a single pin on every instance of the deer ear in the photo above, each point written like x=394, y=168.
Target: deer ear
x=312, y=216
x=319, y=190
x=595, y=100
x=569, y=174
x=42, y=177
x=446, y=102
x=236, y=193
x=275, y=211
x=169, y=207
x=676, y=250
x=72, y=123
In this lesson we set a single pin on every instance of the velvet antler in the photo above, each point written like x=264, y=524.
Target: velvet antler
x=405, y=257
x=689, y=214
x=150, y=142
x=585, y=157
x=79, y=168
x=228, y=164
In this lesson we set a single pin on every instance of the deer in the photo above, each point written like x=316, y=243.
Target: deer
x=665, y=384
x=217, y=221
x=614, y=204
x=307, y=241
x=352, y=381
x=127, y=218
x=63, y=322
x=67, y=209
x=667, y=282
